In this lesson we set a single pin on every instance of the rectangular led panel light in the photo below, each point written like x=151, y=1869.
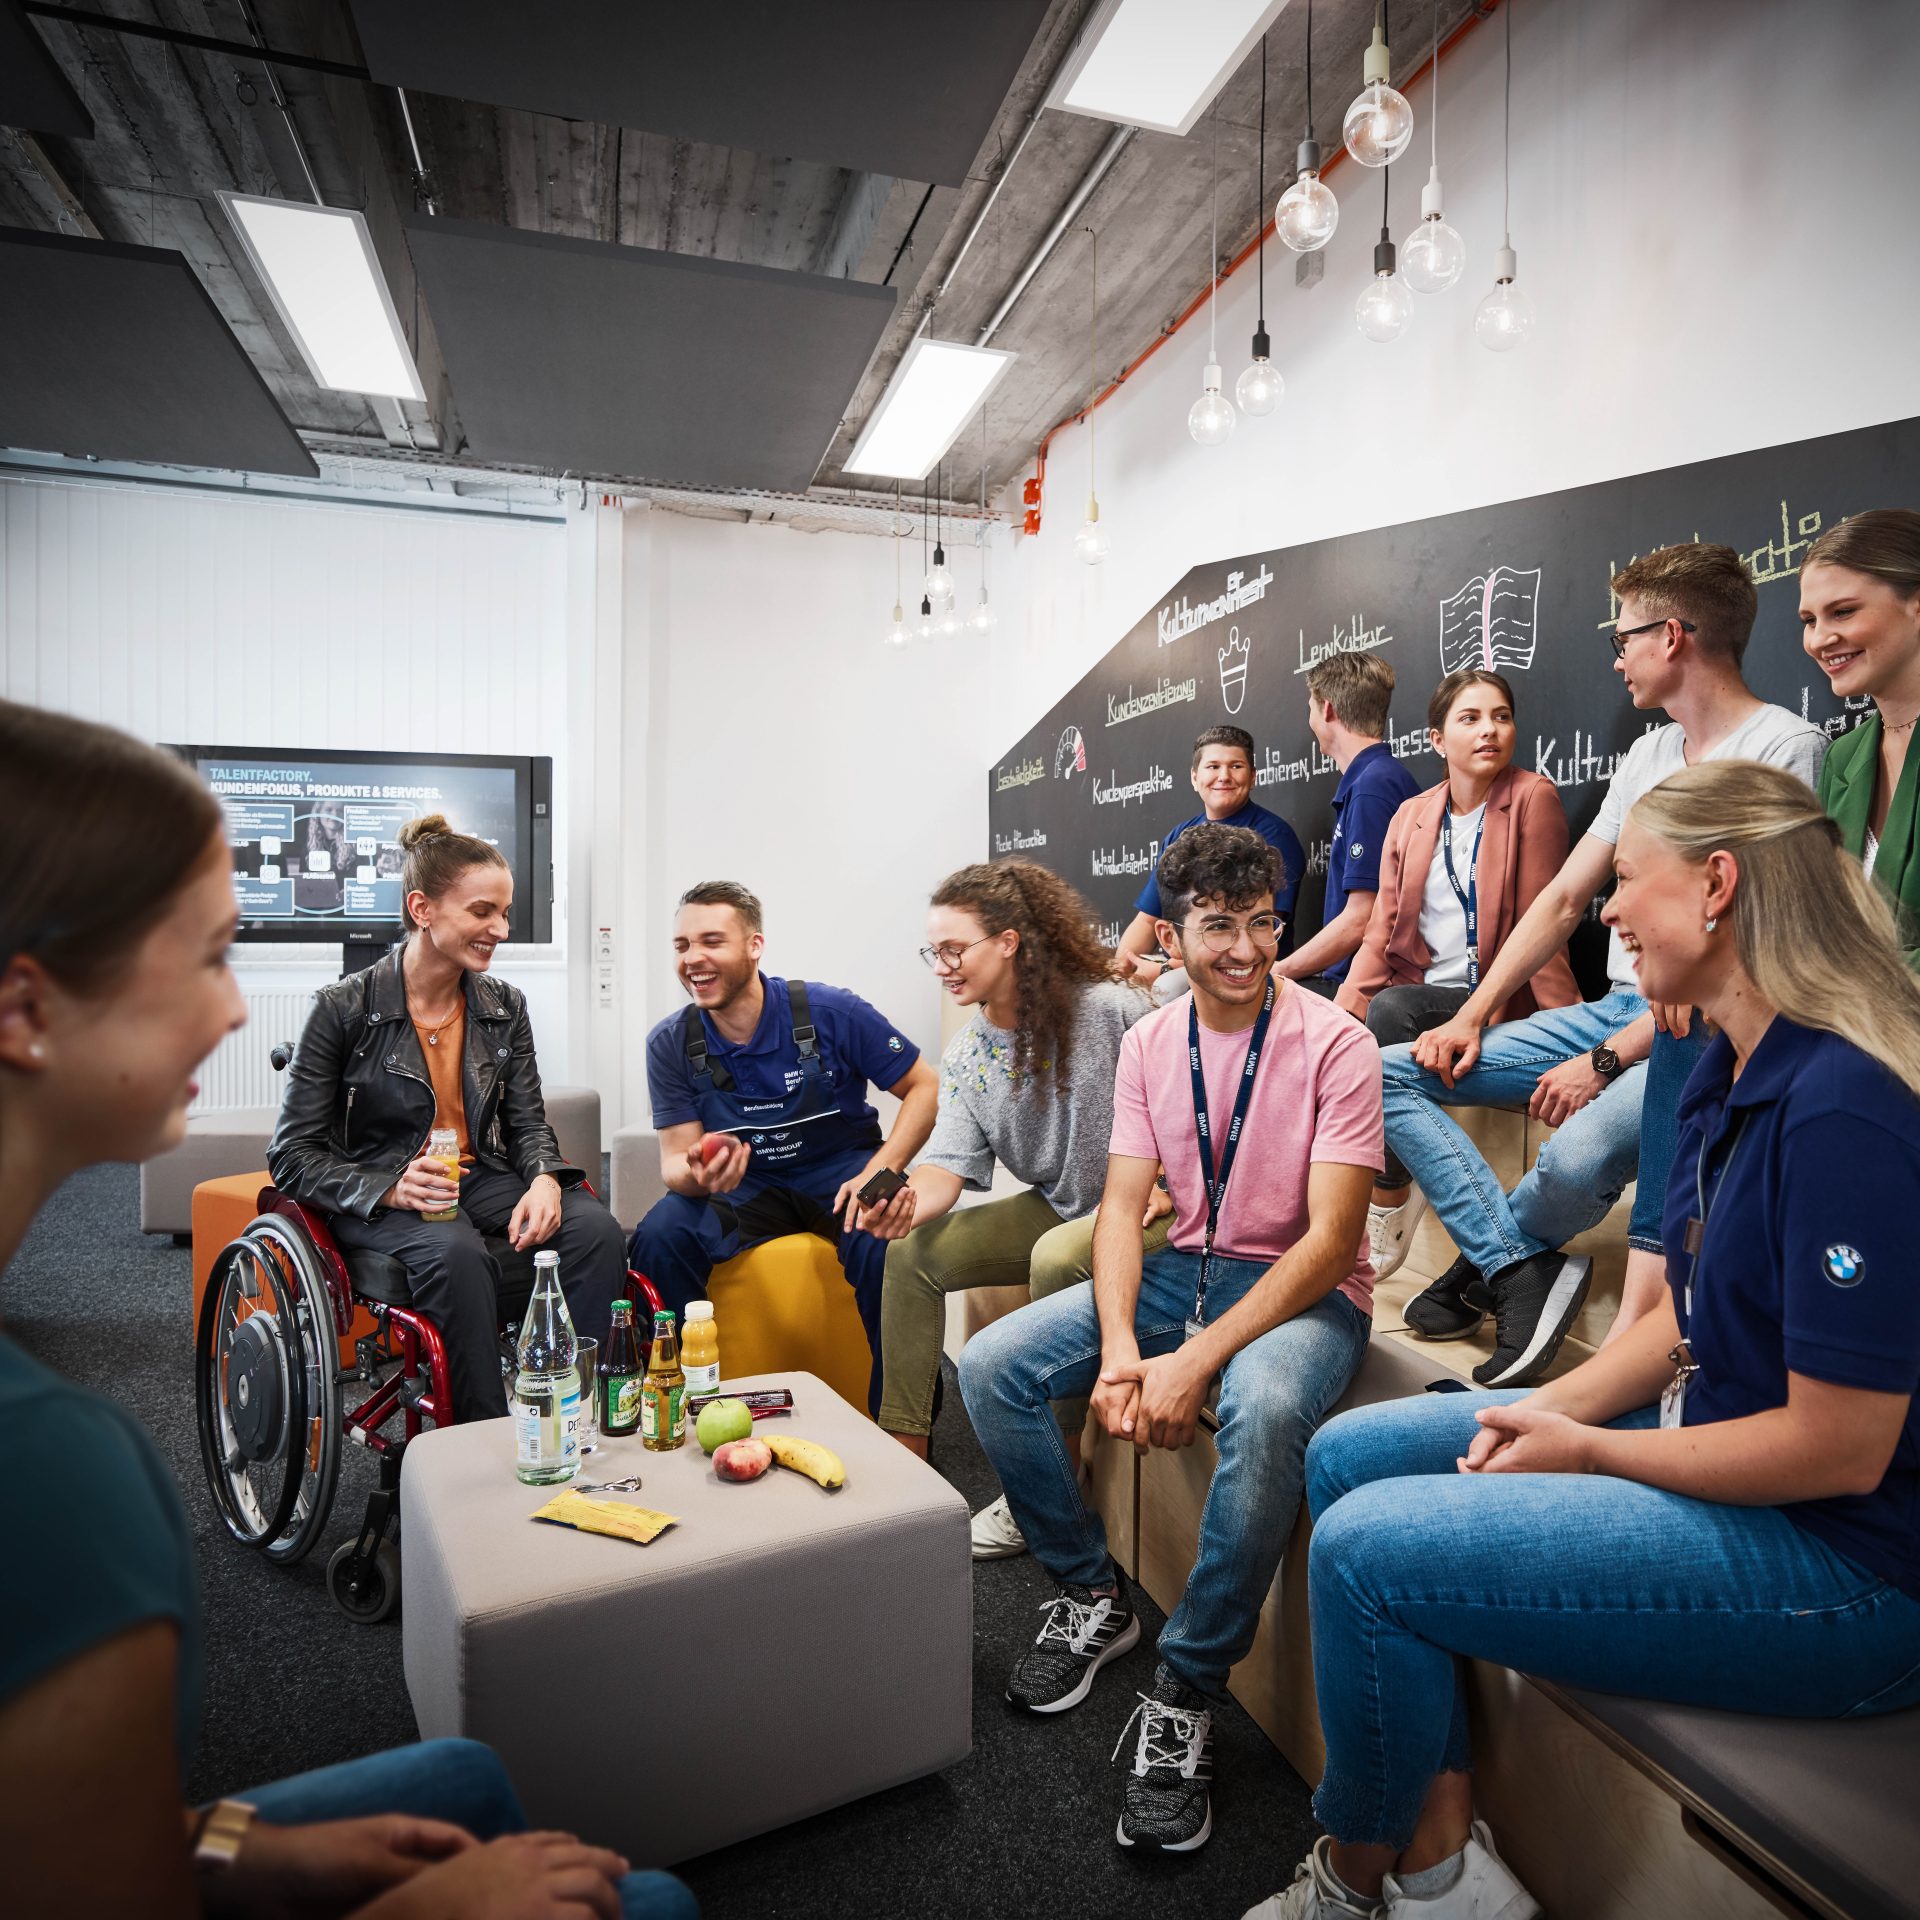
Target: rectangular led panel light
x=1158, y=63
x=936, y=389
x=319, y=266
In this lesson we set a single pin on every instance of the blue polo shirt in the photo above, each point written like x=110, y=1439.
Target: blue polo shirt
x=1273, y=830
x=1806, y=1264
x=858, y=1045
x=1367, y=798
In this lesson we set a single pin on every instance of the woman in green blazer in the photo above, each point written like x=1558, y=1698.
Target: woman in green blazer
x=1860, y=618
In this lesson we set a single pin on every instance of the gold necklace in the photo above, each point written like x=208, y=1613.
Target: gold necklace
x=432, y=1034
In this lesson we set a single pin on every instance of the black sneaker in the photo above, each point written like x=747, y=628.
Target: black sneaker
x=1166, y=1803
x=1452, y=1307
x=1084, y=1629
x=1534, y=1302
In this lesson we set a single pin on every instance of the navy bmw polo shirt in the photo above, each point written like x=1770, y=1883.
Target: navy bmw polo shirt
x=1274, y=831
x=1368, y=796
x=1806, y=1264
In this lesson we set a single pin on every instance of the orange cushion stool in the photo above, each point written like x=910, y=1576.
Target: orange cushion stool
x=785, y=1307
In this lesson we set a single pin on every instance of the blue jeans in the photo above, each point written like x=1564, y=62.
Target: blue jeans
x=461, y=1781
x=1273, y=1393
x=1580, y=1172
x=1669, y=1067
x=1579, y=1578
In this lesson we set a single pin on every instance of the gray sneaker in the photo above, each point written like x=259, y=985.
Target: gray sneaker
x=1083, y=1630
x=1166, y=1803
x=996, y=1535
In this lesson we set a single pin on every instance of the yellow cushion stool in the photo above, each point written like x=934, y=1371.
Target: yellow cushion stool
x=785, y=1307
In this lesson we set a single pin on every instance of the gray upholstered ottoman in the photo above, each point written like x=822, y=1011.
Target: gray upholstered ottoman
x=783, y=1650
x=574, y=1115
x=232, y=1140
x=636, y=1174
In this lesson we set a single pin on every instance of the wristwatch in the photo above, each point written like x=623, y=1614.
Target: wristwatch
x=1606, y=1063
x=223, y=1827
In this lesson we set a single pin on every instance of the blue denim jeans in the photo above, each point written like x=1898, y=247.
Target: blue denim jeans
x=1669, y=1067
x=1273, y=1393
x=460, y=1781
x=1580, y=1172
x=1579, y=1578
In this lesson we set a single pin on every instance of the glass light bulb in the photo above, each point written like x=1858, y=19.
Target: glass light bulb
x=1504, y=318
x=1434, y=257
x=896, y=631
x=1260, y=389
x=949, y=625
x=1307, y=214
x=1090, y=544
x=1384, y=307
x=924, y=627
x=939, y=582
x=1211, y=420
x=982, y=620
x=1378, y=125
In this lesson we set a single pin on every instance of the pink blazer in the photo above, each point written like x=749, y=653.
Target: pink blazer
x=1522, y=847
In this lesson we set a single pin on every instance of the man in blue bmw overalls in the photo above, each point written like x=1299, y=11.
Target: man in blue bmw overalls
x=781, y=1067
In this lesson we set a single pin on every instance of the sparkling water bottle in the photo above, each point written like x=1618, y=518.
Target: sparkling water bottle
x=546, y=1383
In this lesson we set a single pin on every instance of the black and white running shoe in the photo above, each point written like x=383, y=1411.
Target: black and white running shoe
x=1166, y=1802
x=1084, y=1629
x=1534, y=1303
x=1452, y=1307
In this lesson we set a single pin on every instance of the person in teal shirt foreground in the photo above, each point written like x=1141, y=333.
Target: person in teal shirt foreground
x=116, y=914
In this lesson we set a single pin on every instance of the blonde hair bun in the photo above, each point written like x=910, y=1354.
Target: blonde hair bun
x=424, y=828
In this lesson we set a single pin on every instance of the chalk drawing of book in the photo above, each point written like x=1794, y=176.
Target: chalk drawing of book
x=1490, y=621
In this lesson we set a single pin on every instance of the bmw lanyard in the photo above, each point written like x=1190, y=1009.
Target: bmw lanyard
x=1469, y=896
x=1673, y=1400
x=1217, y=1182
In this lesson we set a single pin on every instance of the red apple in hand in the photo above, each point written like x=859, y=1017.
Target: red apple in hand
x=712, y=1145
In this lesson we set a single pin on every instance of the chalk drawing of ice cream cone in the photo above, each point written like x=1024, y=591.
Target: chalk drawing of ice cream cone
x=1233, y=669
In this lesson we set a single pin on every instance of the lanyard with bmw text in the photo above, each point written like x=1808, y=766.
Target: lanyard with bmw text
x=1469, y=895
x=1217, y=1181
x=1673, y=1401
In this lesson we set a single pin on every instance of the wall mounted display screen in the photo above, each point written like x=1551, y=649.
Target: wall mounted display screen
x=315, y=836
x=1093, y=787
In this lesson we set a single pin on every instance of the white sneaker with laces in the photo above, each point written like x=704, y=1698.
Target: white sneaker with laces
x=1390, y=1232
x=1314, y=1895
x=995, y=1535
x=1486, y=1889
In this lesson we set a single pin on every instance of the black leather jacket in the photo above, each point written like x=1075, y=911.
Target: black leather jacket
x=359, y=1104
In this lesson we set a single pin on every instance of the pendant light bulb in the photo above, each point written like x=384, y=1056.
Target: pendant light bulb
x=1090, y=544
x=1260, y=389
x=923, y=628
x=1308, y=212
x=1434, y=256
x=1210, y=419
x=1385, y=306
x=1504, y=318
x=939, y=581
x=896, y=633
x=1379, y=124
x=982, y=620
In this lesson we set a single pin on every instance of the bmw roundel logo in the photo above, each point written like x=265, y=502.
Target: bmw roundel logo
x=894, y=1041
x=1358, y=850
x=1844, y=1265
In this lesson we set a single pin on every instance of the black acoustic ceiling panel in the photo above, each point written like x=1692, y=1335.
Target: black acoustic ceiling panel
x=583, y=356
x=34, y=93
x=118, y=352
x=907, y=88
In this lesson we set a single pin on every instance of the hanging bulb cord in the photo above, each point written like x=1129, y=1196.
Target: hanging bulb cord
x=1213, y=259
x=1260, y=204
x=1433, y=113
x=1506, y=147
x=1309, y=69
x=1093, y=378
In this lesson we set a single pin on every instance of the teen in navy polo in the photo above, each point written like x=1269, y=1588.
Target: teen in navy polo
x=780, y=1067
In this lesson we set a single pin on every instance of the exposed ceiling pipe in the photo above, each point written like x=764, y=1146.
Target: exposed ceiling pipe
x=173, y=36
x=422, y=182
x=1102, y=166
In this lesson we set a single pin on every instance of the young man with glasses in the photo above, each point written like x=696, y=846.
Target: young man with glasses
x=1685, y=616
x=1263, y=1105
x=778, y=1070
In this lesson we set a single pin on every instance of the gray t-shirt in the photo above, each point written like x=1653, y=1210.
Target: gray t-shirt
x=1770, y=734
x=1056, y=1142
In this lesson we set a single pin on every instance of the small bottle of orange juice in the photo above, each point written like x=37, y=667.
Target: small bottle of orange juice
x=700, y=1349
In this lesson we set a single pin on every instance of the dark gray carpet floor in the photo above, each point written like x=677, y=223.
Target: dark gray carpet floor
x=1024, y=1825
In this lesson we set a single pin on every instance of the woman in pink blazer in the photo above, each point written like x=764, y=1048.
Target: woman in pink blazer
x=1461, y=864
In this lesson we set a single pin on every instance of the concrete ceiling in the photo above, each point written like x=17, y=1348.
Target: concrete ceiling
x=175, y=124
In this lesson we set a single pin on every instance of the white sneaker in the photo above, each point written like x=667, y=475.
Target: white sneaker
x=1390, y=1232
x=995, y=1536
x=1314, y=1895
x=1486, y=1890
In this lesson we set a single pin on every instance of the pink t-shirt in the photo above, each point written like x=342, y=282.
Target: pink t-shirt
x=1316, y=1096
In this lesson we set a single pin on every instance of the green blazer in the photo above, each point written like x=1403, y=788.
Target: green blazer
x=1846, y=791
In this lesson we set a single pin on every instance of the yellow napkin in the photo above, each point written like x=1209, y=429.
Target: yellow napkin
x=615, y=1517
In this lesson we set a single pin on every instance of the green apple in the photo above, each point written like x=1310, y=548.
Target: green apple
x=724, y=1420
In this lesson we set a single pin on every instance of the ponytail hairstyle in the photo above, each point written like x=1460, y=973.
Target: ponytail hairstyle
x=101, y=834
x=1815, y=935
x=436, y=858
x=1057, y=955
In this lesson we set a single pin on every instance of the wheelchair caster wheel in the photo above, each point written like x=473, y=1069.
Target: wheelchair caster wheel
x=375, y=1592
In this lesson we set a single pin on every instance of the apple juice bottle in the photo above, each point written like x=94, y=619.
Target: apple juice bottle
x=663, y=1394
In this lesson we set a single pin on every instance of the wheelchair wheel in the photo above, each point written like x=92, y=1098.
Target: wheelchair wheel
x=266, y=1391
x=369, y=1593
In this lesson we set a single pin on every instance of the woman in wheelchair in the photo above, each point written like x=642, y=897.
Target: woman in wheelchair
x=116, y=912
x=425, y=1039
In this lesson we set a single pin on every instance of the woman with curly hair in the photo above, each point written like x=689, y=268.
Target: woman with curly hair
x=1026, y=1083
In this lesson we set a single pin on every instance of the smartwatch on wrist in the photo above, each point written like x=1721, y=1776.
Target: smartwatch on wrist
x=1606, y=1063
x=223, y=1827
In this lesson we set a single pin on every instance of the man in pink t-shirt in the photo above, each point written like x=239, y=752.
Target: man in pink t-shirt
x=1279, y=1311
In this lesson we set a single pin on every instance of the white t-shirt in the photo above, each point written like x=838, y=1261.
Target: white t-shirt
x=1443, y=920
x=1772, y=735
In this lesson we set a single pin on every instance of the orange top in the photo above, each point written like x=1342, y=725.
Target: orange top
x=446, y=1057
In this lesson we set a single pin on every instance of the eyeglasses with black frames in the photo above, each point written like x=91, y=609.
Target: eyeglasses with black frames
x=1620, y=636
x=945, y=957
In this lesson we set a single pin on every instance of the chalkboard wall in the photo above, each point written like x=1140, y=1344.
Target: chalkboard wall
x=1092, y=787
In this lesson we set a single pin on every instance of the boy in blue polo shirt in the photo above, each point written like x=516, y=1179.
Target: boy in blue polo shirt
x=1222, y=776
x=1348, y=695
x=780, y=1068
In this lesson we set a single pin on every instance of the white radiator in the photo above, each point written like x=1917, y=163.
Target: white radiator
x=239, y=1073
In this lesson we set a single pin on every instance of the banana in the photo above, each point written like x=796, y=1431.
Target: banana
x=808, y=1457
